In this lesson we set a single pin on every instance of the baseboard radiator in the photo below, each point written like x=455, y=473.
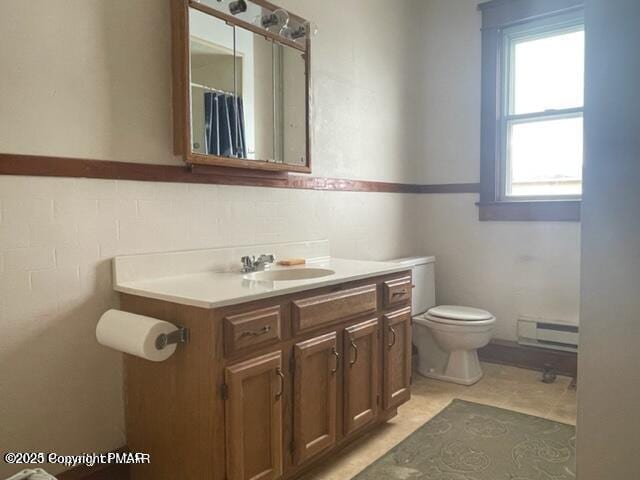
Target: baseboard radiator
x=549, y=334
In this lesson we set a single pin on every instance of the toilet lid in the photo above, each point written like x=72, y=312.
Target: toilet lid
x=454, y=312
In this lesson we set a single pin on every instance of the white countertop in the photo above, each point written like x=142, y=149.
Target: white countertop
x=212, y=289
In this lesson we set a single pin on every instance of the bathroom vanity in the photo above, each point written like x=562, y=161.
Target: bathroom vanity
x=276, y=375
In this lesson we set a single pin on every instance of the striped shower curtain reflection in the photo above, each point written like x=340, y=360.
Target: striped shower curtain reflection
x=224, y=125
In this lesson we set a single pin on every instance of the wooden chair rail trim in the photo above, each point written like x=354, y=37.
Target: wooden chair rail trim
x=45, y=166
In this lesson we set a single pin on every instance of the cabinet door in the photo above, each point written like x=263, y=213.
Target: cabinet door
x=397, y=357
x=361, y=373
x=314, y=396
x=254, y=418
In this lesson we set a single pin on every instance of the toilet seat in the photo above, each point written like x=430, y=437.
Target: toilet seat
x=456, y=315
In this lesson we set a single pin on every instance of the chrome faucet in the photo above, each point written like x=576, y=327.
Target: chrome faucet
x=253, y=264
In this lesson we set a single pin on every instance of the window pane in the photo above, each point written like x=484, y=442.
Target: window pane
x=545, y=157
x=548, y=73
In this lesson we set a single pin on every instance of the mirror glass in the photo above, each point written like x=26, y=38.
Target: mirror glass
x=248, y=93
x=213, y=83
x=293, y=100
x=256, y=53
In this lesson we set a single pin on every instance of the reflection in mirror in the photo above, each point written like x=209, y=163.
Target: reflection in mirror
x=248, y=93
x=278, y=21
x=260, y=96
x=294, y=105
x=232, y=91
x=279, y=101
x=213, y=85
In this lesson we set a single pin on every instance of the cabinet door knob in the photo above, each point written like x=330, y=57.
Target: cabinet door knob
x=337, y=355
x=280, y=374
x=392, y=331
x=355, y=351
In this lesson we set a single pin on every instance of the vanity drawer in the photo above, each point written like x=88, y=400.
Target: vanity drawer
x=316, y=311
x=254, y=328
x=397, y=291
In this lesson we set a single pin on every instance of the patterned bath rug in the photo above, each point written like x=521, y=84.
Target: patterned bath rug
x=469, y=441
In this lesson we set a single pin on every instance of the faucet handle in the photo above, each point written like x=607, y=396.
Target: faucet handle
x=247, y=262
x=265, y=259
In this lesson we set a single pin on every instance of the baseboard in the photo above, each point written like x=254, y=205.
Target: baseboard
x=98, y=472
x=533, y=358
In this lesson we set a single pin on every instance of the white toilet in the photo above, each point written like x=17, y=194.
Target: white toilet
x=447, y=336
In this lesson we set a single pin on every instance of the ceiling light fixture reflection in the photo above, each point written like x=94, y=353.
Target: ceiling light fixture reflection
x=238, y=6
x=299, y=32
x=279, y=18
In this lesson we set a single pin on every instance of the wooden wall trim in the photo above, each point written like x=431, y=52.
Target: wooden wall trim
x=451, y=188
x=523, y=211
x=498, y=13
x=511, y=353
x=33, y=165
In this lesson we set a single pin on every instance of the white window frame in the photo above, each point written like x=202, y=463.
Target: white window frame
x=511, y=35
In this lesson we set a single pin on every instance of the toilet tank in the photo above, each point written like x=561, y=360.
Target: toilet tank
x=424, y=281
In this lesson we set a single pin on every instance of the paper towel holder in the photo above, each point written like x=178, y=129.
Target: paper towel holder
x=179, y=336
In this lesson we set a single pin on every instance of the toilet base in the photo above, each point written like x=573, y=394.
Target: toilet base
x=460, y=381
x=462, y=367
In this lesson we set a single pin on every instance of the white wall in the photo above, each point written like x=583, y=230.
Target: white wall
x=509, y=268
x=91, y=78
x=609, y=387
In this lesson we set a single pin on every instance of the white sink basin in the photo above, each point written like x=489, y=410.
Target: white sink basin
x=289, y=275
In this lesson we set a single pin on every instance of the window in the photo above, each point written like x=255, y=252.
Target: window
x=532, y=110
x=541, y=127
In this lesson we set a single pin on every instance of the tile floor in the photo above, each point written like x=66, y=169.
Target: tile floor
x=506, y=387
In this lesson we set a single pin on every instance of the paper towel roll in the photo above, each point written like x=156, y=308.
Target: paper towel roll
x=134, y=334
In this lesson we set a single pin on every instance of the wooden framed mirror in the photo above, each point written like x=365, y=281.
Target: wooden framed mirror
x=241, y=85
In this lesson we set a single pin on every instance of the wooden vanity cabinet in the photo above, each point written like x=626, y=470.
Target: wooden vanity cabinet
x=396, y=350
x=253, y=414
x=397, y=291
x=267, y=389
x=361, y=374
x=315, y=399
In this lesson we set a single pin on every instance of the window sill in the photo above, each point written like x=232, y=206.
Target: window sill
x=530, y=211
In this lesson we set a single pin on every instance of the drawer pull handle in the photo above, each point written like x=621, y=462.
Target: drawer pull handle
x=399, y=293
x=256, y=333
x=392, y=331
x=280, y=374
x=355, y=351
x=337, y=355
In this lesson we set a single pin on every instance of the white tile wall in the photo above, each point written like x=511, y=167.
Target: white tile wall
x=57, y=237
x=149, y=266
